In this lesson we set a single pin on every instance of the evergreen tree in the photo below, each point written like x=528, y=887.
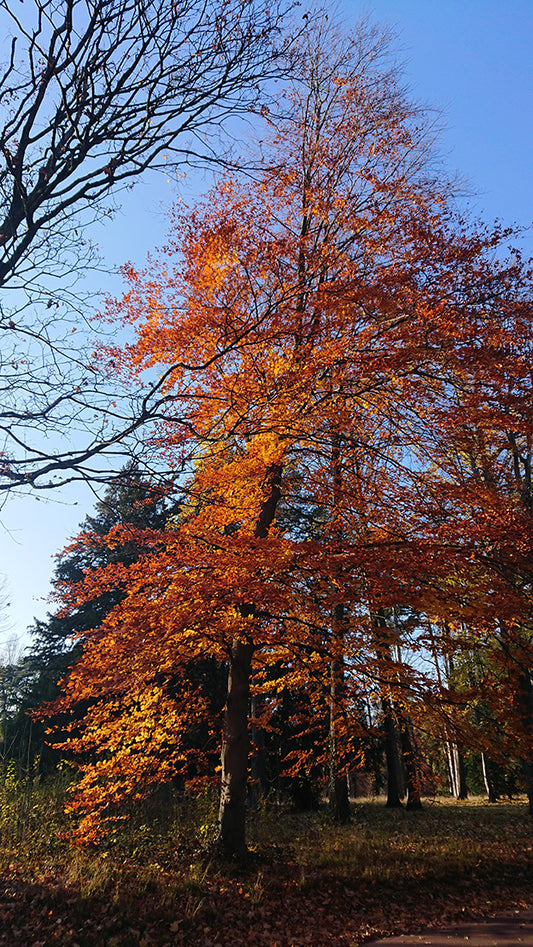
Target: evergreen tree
x=58, y=639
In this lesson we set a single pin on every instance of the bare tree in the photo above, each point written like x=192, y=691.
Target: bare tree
x=92, y=94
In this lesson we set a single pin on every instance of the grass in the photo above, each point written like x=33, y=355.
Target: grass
x=308, y=881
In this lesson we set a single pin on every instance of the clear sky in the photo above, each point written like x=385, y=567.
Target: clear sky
x=469, y=59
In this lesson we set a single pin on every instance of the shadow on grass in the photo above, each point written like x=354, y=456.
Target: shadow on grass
x=307, y=882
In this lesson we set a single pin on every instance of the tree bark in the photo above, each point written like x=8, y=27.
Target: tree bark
x=258, y=783
x=407, y=740
x=235, y=737
x=235, y=749
x=394, y=774
x=527, y=768
x=338, y=783
x=412, y=781
x=487, y=778
x=394, y=780
x=525, y=703
x=456, y=768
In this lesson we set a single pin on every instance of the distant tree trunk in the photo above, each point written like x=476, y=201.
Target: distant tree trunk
x=394, y=772
x=258, y=780
x=528, y=776
x=456, y=771
x=407, y=741
x=235, y=739
x=338, y=783
x=455, y=754
x=394, y=775
x=409, y=757
x=454, y=757
x=352, y=781
x=525, y=702
x=374, y=752
x=487, y=778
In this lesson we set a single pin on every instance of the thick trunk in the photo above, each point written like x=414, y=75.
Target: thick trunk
x=235, y=748
x=339, y=800
x=235, y=739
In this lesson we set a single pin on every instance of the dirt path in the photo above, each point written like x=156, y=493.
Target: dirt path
x=513, y=931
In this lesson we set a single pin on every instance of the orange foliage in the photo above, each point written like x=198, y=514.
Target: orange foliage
x=333, y=300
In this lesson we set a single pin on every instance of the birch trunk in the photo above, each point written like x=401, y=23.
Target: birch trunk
x=487, y=778
x=457, y=772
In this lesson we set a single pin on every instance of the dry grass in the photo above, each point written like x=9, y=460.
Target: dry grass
x=154, y=881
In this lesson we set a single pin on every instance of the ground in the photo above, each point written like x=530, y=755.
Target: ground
x=307, y=881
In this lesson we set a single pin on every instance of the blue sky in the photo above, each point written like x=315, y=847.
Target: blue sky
x=470, y=60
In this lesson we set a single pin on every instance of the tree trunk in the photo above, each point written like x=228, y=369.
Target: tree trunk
x=412, y=781
x=407, y=741
x=235, y=749
x=339, y=800
x=351, y=779
x=525, y=703
x=456, y=768
x=338, y=783
x=454, y=758
x=528, y=776
x=235, y=739
x=394, y=773
x=394, y=780
x=487, y=778
x=258, y=782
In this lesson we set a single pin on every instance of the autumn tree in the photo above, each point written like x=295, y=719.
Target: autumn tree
x=305, y=327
